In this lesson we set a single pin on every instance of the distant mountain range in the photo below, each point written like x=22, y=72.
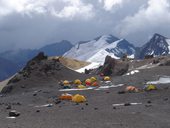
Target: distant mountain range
x=7, y=68
x=18, y=58
x=93, y=51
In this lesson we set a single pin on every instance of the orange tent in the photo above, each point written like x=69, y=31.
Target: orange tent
x=66, y=96
x=131, y=89
x=94, y=84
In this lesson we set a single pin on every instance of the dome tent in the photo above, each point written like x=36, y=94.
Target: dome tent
x=81, y=86
x=66, y=96
x=131, y=89
x=77, y=82
x=93, y=79
x=66, y=82
x=150, y=87
x=88, y=82
x=106, y=78
x=95, y=84
x=78, y=98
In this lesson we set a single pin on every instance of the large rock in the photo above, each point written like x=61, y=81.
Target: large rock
x=14, y=113
x=165, y=63
x=113, y=67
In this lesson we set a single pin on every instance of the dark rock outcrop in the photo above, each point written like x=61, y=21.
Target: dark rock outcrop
x=156, y=46
x=165, y=63
x=14, y=113
x=113, y=67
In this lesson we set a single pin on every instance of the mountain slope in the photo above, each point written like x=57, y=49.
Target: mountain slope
x=83, y=50
x=41, y=71
x=158, y=45
x=116, y=50
x=96, y=50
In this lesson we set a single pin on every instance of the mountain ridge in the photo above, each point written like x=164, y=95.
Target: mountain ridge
x=103, y=46
x=157, y=45
x=93, y=50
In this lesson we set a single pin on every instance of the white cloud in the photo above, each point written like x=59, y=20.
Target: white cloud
x=109, y=4
x=152, y=17
x=33, y=23
x=74, y=8
x=58, y=8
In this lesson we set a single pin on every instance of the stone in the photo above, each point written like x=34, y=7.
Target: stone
x=127, y=104
x=113, y=67
x=14, y=113
x=149, y=102
x=8, y=107
x=95, y=108
x=121, y=92
x=35, y=94
x=38, y=111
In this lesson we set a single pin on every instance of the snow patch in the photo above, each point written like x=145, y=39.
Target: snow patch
x=46, y=105
x=91, y=88
x=147, y=66
x=107, y=87
x=131, y=56
x=123, y=104
x=132, y=72
x=99, y=57
x=11, y=117
x=75, y=89
x=162, y=80
x=168, y=41
x=93, y=65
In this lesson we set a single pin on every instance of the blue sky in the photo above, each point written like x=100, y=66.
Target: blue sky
x=32, y=24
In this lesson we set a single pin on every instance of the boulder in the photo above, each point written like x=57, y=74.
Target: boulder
x=165, y=63
x=113, y=67
x=14, y=113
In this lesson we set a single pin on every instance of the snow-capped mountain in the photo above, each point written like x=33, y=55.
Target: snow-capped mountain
x=116, y=50
x=96, y=50
x=158, y=45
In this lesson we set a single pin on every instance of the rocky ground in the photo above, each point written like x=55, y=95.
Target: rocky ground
x=29, y=95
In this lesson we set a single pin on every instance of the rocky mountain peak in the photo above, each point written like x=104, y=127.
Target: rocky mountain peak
x=157, y=45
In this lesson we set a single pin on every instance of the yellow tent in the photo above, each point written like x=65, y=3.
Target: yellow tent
x=150, y=87
x=106, y=78
x=77, y=82
x=81, y=86
x=93, y=79
x=78, y=98
x=66, y=82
